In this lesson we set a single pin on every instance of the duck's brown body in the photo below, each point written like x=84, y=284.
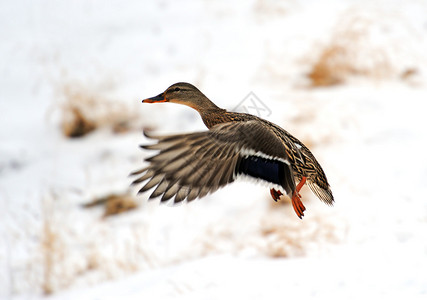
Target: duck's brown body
x=192, y=165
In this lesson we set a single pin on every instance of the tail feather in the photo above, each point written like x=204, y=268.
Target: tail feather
x=324, y=194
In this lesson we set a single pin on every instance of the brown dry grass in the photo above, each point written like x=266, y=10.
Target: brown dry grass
x=75, y=123
x=409, y=73
x=65, y=256
x=52, y=249
x=353, y=51
x=331, y=67
x=114, y=204
x=286, y=238
x=86, y=108
x=49, y=246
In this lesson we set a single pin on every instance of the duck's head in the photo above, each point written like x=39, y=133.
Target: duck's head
x=182, y=93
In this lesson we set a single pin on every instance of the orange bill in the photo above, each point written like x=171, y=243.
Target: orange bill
x=155, y=99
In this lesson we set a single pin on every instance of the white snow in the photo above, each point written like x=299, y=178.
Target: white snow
x=368, y=133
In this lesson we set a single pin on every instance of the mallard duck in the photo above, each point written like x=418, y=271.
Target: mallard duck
x=189, y=166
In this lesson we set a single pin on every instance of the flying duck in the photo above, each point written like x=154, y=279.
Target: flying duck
x=191, y=165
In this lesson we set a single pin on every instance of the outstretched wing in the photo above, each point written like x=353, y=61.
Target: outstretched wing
x=192, y=165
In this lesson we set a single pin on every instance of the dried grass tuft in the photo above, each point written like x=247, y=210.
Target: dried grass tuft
x=75, y=123
x=52, y=249
x=409, y=74
x=71, y=255
x=286, y=238
x=86, y=108
x=331, y=67
x=114, y=204
x=119, y=204
x=49, y=246
x=363, y=45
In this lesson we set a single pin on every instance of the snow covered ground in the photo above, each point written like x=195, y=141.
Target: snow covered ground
x=368, y=132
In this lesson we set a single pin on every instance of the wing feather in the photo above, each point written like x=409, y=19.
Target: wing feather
x=190, y=166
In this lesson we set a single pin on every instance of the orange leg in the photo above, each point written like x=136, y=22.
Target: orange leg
x=296, y=199
x=275, y=194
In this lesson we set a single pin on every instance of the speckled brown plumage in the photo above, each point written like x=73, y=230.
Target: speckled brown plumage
x=190, y=166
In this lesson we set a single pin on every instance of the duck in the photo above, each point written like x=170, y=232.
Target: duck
x=192, y=165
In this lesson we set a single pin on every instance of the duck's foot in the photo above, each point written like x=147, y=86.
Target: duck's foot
x=297, y=204
x=275, y=194
x=296, y=199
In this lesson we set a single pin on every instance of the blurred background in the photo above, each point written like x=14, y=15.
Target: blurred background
x=348, y=78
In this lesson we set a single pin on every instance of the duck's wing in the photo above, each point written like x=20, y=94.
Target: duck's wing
x=192, y=165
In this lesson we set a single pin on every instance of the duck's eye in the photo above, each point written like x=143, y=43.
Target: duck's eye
x=177, y=89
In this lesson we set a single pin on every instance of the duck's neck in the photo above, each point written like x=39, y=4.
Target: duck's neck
x=204, y=104
x=210, y=113
x=213, y=116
